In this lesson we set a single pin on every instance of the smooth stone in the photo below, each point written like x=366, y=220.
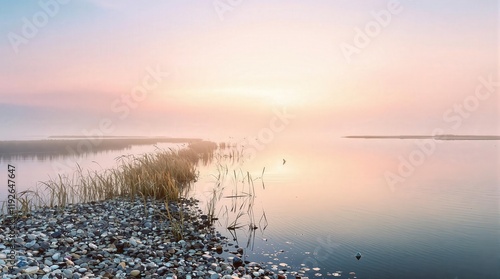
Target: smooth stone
x=31, y=270
x=68, y=273
x=82, y=270
x=56, y=256
x=162, y=270
x=44, y=245
x=135, y=273
x=22, y=263
x=84, y=265
x=54, y=267
x=237, y=262
x=218, y=249
x=207, y=257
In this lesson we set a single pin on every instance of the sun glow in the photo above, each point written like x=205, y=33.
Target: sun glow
x=270, y=96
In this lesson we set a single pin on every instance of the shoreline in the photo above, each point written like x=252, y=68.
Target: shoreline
x=436, y=137
x=123, y=238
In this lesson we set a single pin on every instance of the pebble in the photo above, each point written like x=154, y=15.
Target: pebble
x=135, y=273
x=31, y=270
x=56, y=256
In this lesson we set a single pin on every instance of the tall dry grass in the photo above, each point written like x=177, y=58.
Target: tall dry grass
x=161, y=176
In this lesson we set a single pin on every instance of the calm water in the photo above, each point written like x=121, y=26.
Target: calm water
x=331, y=200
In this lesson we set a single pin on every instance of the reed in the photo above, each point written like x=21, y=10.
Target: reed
x=161, y=176
x=217, y=191
x=242, y=196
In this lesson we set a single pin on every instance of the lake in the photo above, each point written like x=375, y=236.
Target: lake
x=412, y=208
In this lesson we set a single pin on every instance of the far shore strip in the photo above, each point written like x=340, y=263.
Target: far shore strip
x=437, y=137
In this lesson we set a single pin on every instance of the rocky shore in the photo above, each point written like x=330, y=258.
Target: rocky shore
x=121, y=238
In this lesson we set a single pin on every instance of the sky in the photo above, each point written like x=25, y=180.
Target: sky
x=239, y=68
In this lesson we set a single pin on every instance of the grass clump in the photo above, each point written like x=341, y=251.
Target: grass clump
x=160, y=176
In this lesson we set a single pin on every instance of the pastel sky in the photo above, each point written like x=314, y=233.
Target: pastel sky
x=224, y=68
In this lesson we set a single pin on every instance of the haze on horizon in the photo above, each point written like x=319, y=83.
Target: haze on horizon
x=223, y=68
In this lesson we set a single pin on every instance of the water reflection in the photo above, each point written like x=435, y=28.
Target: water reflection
x=331, y=200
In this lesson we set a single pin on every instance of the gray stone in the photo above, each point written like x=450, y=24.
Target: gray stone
x=56, y=256
x=68, y=273
x=31, y=270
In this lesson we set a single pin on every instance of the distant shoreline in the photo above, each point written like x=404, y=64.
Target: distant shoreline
x=68, y=145
x=437, y=137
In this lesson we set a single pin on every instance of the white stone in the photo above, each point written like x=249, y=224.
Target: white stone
x=31, y=270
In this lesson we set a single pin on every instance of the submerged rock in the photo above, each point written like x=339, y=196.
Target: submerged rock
x=358, y=256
